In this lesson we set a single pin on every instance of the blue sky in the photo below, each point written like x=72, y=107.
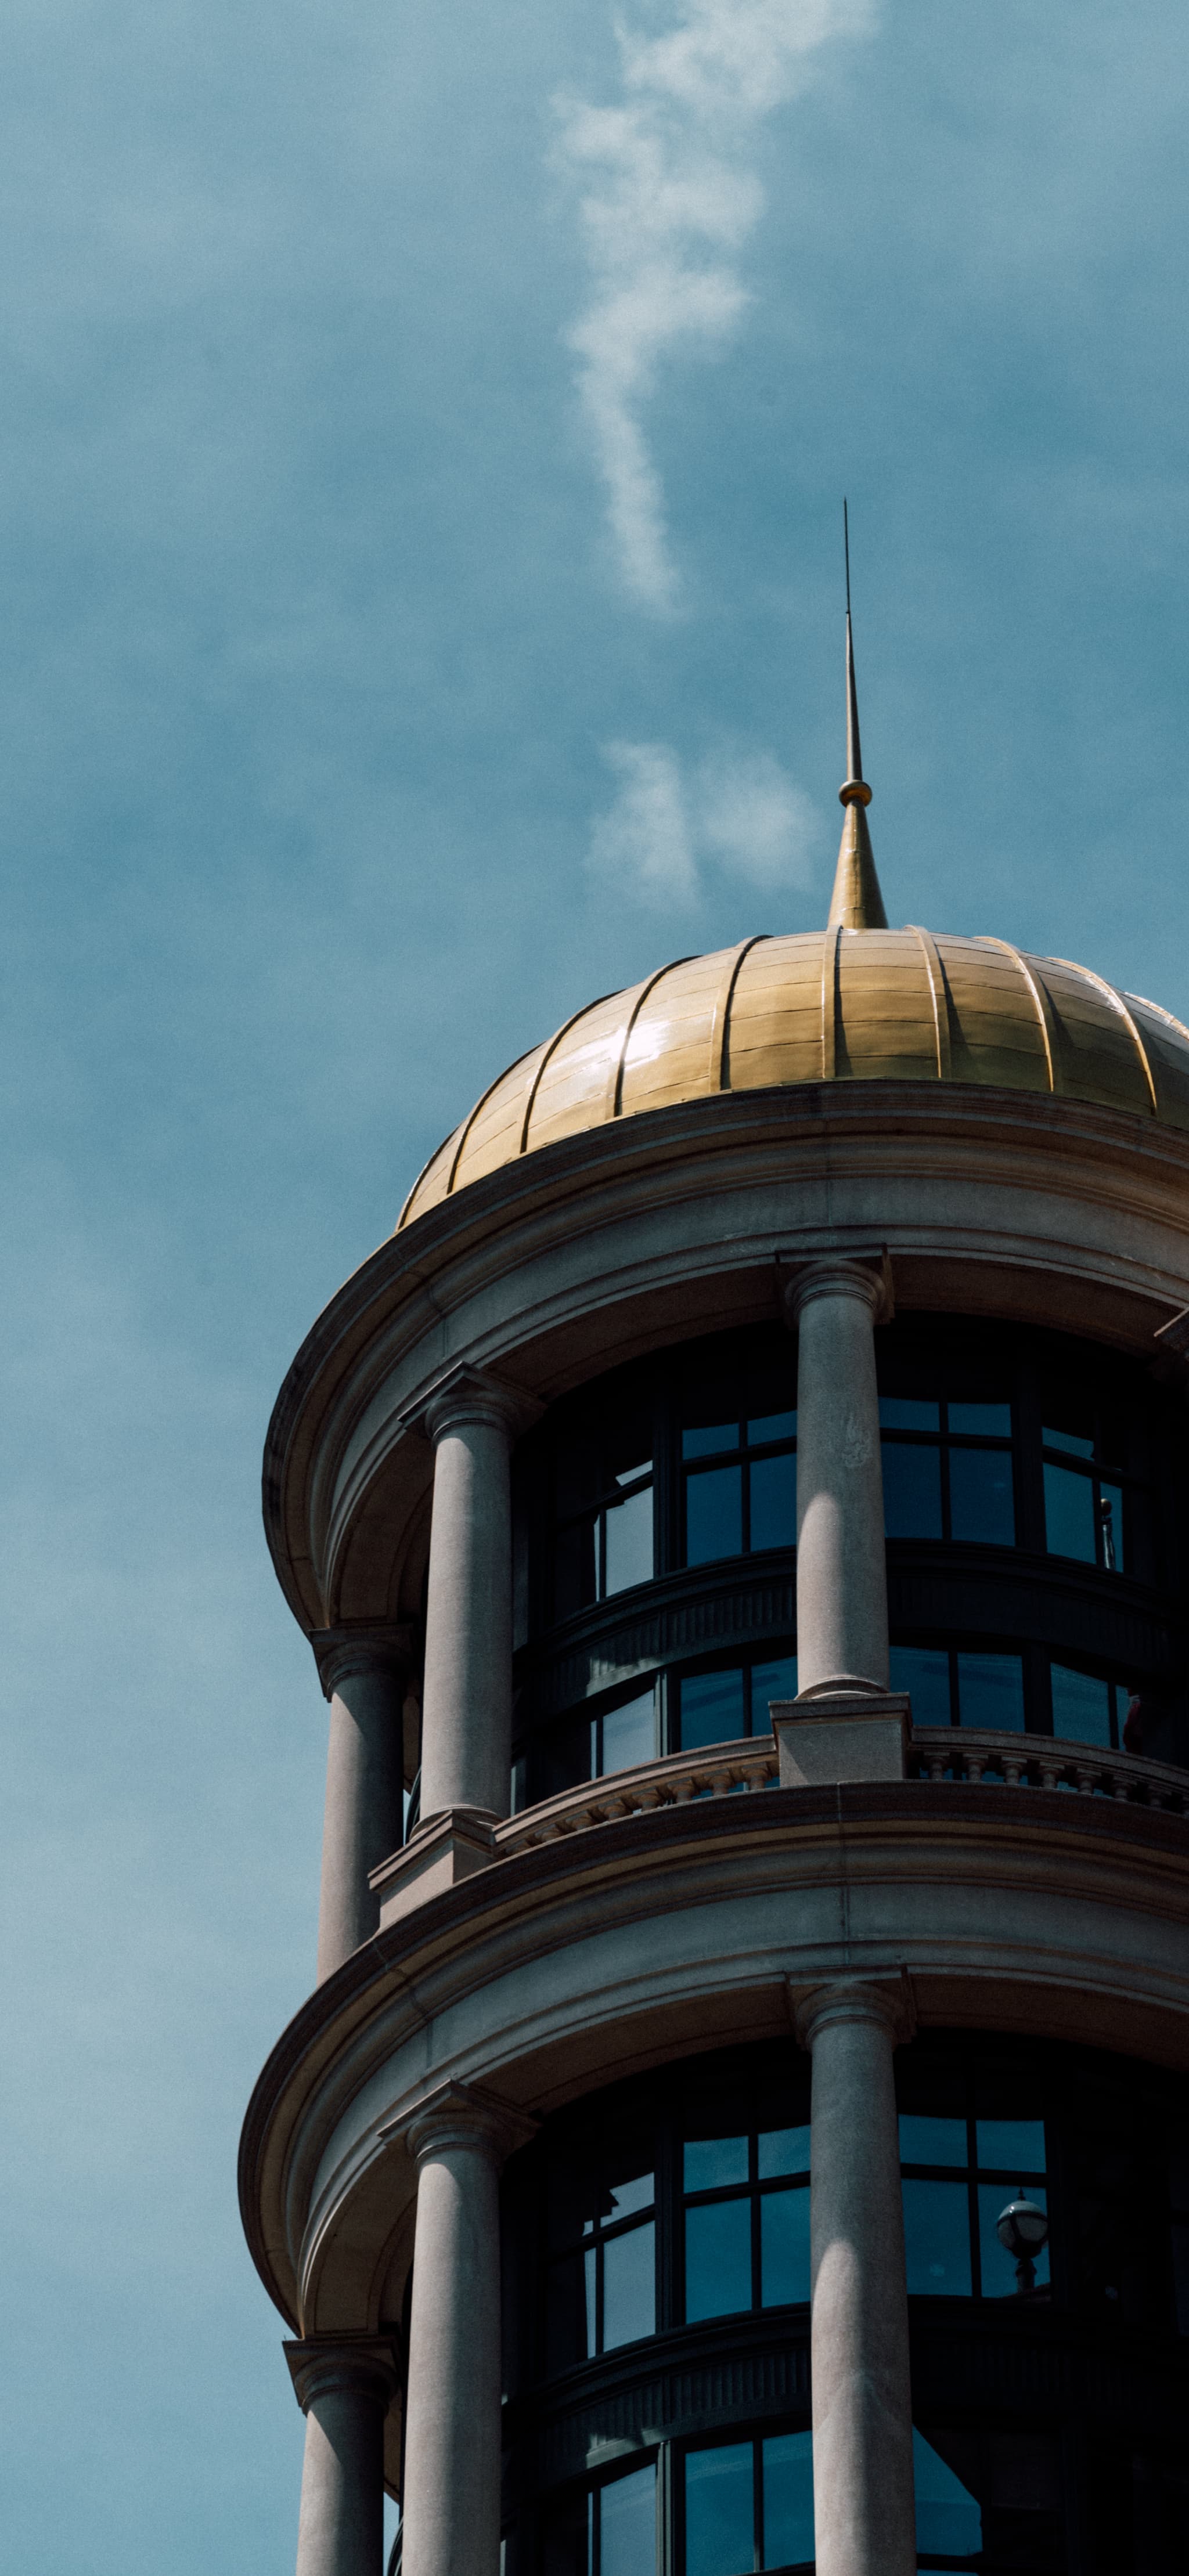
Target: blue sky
x=422, y=440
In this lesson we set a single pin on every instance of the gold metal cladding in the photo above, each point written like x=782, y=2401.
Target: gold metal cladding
x=843, y=1006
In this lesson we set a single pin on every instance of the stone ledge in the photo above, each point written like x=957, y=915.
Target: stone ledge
x=443, y=1851
x=845, y=1736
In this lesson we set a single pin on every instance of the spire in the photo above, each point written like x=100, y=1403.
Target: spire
x=856, y=903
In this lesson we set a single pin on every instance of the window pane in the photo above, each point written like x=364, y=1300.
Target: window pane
x=719, y=2511
x=574, y=1569
x=707, y=1443
x=981, y=1503
x=717, y=2259
x=1017, y=2146
x=1069, y=1514
x=629, y=1733
x=569, y=2321
x=991, y=1692
x=928, y=2141
x=788, y=2499
x=1081, y=1706
x=937, y=2239
x=784, y=2247
x=713, y=1514
x=774, y=1501
x=783, y=2151
x=993, y=1421
x=711, y=1708
x=911, y=1491
x=629, y=2286
x=771, y=1426
x=999, y=2267
x=925, y=1674
x=908, y=1413
x=1075, y=1434
x=777, y=1680
x=629, y=1541
x=948, y=2515
x=627, y=2524
x=710, y=2164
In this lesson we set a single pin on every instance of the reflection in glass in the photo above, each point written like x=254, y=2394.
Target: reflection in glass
x=784, y=2248
x=1110, y=1522
x=1081, y=1706
x=777, y=1680
x=774, y=1501
x=991, y=1692
x=948, y=2515
x=711, y=1708
x=783, y=2151
x=788, y=2499
x=712, y=2163
x=928, y=2141
x=911, y=1490
x=991, y=1421
x=908, y=1413
x=1069, y=1513
x=1011, y=2146
x=628, y=1733
x=982, y=1507
x=937, y=2238
x=1077, y=1441
x=997, y=2265
x=923, y=1671
x=706, y=1443
x=771, y=1426
x=719, y=2511
x=629, y=1541
x=629, y=2286
x=713, y=1514
x=627, y=2524
x=717, y=2259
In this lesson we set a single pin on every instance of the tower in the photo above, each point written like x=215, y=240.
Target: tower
x=746, y=1503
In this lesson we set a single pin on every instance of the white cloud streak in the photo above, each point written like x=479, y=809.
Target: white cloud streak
x=667, y=828
x=666, y=202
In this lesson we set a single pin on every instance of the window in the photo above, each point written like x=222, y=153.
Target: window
x=1087, y=1709
x=950, y=1686
x=959, y=2172
x=1088, y=1508
x=601, y=2261
x=610, y=2530
x=731, y=1701
x=988, y=2499
x=746, y=2217
x=604, y=1512
x=739, y=1486
x=947, y=1469
x=748, y=2505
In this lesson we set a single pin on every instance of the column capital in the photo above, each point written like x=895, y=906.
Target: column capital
x=864, y=1274
x=472, y=1395
x=888, y=2002
x=464, y=2115
x=359, y=2365
x=362, y=1646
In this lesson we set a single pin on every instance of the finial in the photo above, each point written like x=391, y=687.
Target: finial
x=856, y=903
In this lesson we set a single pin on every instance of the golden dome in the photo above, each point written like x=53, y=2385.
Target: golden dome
x=835, y=1006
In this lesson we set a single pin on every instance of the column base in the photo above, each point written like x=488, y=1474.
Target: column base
x=829, y=1737
x=444, y=1850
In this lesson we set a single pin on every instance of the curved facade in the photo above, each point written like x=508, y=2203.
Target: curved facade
x=742, y=2118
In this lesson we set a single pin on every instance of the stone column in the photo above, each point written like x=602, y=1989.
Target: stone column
x=364, y=1674
x=466, y=1722
x=862, y=2404
x=451, y=2504
x=344, y=2386
x=842, y=1592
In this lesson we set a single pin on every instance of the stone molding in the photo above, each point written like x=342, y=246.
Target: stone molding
x=848, y=1731
x=864, y=1275
x=464, y=2115
x=363, y=1646
x=357, y=2365
x=472, y=1395
x=444, y=1849
x=887, y=2001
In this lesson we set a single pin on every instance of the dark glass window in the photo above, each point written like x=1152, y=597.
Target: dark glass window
x=610, y=2530
x=604, y=1514
x=988, y=2498
x=600, y=2286
x=953, y=1687
x=1090, y=1510
x=947, y=1469
x=718, y=1707
x=748, y=2505
x=960, y=2169
x=739, y=1485
x=745, y=2197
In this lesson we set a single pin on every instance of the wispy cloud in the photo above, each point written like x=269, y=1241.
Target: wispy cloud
x=669, y=827
x=666, y=201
